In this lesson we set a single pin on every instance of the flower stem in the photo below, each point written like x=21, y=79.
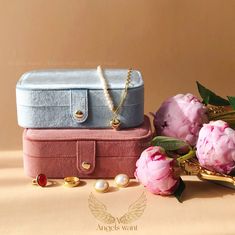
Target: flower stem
x=187, y=156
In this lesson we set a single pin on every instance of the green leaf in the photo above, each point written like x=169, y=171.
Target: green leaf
x=168, y=143
x=210, y=97
x=232, y=101
x=178, y=192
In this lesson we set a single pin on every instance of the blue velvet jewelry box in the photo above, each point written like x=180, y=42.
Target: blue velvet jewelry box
x=77, y=98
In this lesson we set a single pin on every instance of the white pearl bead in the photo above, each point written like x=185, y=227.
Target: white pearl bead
x=122, y=180
x=101, y=186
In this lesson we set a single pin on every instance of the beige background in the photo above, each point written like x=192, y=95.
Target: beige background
x=173, y=43
x=207, y=208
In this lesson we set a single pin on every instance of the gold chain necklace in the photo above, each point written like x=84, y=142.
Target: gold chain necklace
x=115, y=122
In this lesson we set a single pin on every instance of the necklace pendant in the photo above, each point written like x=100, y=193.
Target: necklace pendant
x=115, y=123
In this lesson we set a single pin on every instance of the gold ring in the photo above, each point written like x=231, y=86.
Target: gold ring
x=71, y=181
x=34, y=181
x=40, y=180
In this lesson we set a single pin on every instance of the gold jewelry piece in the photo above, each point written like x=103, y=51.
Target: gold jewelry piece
x=40, y=180
x=101, y=186
x=34, y=182
x=71, y=181
x=115, y=122
x=86, y=165
x=122, y=180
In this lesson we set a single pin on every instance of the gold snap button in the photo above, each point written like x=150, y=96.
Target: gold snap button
x=115, y=123
x=78, y=114
x=86, y=165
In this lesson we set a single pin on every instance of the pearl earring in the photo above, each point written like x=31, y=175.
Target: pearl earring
x=101, y=186
x=122, y=180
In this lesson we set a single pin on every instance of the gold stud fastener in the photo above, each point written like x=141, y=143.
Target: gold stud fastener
x=86, y=165
x=115, y=123
x=78, y=114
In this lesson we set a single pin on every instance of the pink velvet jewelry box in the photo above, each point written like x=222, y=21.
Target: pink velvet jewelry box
x=86, y=153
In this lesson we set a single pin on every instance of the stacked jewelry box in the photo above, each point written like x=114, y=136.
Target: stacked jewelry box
x=85, y=122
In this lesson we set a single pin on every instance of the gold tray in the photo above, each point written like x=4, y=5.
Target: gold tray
x=192, y=167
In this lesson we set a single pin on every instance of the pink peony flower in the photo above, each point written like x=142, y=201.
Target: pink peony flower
x=216, y=147
x=155, y=171
x=182, y=117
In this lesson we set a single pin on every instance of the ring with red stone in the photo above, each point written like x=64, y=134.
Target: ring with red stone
x=40, y=180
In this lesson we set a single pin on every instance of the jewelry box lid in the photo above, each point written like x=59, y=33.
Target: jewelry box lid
x=58, y=79
x=141, y=132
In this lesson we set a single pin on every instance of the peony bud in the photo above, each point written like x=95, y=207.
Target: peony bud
x=155, y=171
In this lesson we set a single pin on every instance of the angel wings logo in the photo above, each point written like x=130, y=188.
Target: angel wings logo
x=111, y=223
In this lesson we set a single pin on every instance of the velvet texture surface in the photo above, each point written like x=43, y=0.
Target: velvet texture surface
x=49, y=99
x=60, y=152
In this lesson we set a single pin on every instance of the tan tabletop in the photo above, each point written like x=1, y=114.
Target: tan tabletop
x=25, y=209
